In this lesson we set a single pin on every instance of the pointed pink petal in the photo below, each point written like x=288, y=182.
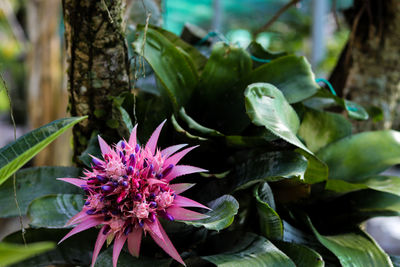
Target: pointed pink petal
x=184, y=214
x=187, y=202
x=134, y=240
x=180, y=188
x=105, y=148
x=118, y=244
x=101, y=238
x=153, y=228
x=178, y=156
x=132, y=139
x=180, y=170
x=101, y=161
x=80, y=216
x=166, y=152
x=152, y=181
x=91, y=222
x=152, y=143
x=165, y=243
x=75, y=181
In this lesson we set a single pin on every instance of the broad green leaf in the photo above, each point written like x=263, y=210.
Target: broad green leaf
x=195, y=55
x=388, y=184
x=361, y=155
x=13, y=253
x=356, y=249
x=126, y=119
x=182, y=131
x=223, y=211
x=317, y=170
x=74, y=251
x=290, y=74
x=93, y=149
x=16, y=154
x=301, y=255
x=266, y=106
x=32, y=183
x=271, y=225
x=172, y=65
x=258, y=54
x=53, y=211
x=217, y=101
x=320, y=128
x=250, y=250
x=127, y=260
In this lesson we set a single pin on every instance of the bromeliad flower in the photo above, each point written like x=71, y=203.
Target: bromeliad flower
x=129, y=190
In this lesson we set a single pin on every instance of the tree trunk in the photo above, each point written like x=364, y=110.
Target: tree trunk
x=47, y=101
x=97, y=65
x=368, y=70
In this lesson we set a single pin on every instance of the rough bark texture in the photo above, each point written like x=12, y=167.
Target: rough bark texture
x=46, y=96
x=98, y=65
x=368, y=70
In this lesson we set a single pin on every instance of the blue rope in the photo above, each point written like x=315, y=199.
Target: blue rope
x=212, y=34
x=259, y=59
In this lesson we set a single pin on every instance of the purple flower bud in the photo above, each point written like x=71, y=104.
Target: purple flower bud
x=96, y=162
x=125, y=183
x=138, y=197
x=107, y=188
x=128, y=229
x=91, y=211
x=87, y=203
x=106, y=229
x=159, y=176
x=124, y=176
x=153, y=204
x=169, y=217
x=141, y=223
x=115, y=183
x=167, y=170
x=101, y=178
x=129, y=171
x=152, y=217
x=121, y=155
x=123, y=145
x=132, y=159
x=145, y=163
x=137, y=148
x=152, y=196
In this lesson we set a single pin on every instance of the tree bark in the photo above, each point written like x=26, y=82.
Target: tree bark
x=97, y=65
x=47, y=99
x=368, y=70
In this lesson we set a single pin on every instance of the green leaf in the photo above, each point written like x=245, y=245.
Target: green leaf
x=354, y=249
x=249, y=249
x=126, y=119
x=361, y=155
x=301, y=255
x=13, y=253
x=54, y=211
x=198, y=58
x=93, y=149
x=223, y=211
x=127, y=260
x=172, y=66
x=320, y=128
x=217, y=101
x=266, y=106
x=16, y=154
x=192, y=124
x=257, y=51
x=389, y=184
x=291, y=74
x=74, y=251
x=317, y=170
x=271, y=225
x=32, y=183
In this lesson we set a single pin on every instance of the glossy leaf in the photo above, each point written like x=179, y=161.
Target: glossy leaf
x=290, y=74
x=172, y=66
x=249, y=249
x=320, y=128
x=266, y=106
x=222, y=214
x=32, y=183
x=16, y=154
x=13, y=253
x=262, y=56
x=126, y=119
x=301, y=255
x=388, y=184
x=217, y=101
x=127, y=260
x=354, y=249
x=53, y=211
x=75, y=251
x=271, y=225
x=361, y=155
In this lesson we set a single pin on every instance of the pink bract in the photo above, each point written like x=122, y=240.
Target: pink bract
x=129, y=189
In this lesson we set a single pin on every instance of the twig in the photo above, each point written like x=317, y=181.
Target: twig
x=146, y=27
x=14, y=176
x=108, y=12
x=276, y=16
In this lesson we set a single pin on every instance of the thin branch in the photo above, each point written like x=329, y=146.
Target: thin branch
x=276, y=16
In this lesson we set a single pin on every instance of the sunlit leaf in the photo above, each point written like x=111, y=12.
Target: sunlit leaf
x=13, y=253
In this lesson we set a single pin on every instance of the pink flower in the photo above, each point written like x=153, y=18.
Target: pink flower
x=129, y=189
